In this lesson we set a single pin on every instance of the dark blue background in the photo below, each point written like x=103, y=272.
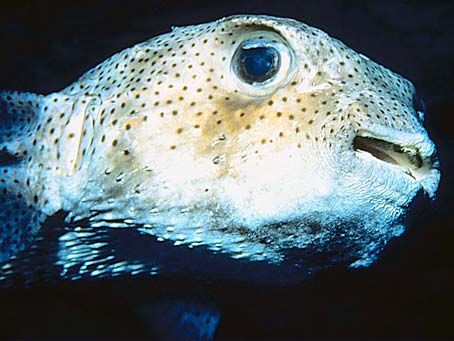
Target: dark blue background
x=407, y=294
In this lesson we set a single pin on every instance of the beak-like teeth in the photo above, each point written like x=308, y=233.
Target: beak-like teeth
x=408, y=158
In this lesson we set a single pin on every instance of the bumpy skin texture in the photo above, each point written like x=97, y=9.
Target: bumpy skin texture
x=166, y=136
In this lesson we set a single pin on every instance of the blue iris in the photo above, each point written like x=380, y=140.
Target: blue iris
x=257, y=64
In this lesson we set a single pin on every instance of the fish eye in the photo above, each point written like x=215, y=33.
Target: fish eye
x=262, y=63
x=256, y=63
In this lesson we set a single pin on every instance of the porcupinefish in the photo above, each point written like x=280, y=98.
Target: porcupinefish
x=249, y=136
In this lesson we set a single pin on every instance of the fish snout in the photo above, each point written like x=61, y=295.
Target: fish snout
x=413, y=156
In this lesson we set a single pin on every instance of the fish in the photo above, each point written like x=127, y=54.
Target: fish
x=258, y=139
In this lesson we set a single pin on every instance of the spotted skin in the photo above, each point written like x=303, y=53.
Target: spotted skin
x=165, y=136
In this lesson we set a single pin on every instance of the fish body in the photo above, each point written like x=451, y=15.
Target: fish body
x=250, y=136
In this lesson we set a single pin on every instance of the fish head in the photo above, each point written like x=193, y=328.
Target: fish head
x=257, y=135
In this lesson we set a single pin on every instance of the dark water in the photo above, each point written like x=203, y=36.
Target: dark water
x=408, y=294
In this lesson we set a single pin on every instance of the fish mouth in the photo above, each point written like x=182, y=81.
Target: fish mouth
x=415, y=160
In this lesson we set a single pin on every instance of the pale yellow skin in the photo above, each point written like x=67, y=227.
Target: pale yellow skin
x=165, y=136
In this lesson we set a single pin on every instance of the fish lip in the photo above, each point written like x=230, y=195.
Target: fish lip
x=412, y=155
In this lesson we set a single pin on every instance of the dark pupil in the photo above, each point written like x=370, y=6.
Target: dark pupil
x=258, y=64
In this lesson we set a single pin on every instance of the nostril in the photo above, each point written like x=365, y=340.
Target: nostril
x=419, y=105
